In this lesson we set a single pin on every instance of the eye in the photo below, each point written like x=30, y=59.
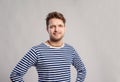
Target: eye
x=60, y=25
x=52, y=26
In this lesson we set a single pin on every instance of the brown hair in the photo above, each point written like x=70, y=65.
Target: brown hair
x=55, y=15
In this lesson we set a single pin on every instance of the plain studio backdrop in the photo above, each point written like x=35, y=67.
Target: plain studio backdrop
x=93, y=29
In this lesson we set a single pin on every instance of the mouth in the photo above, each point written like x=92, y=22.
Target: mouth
x=56, y=33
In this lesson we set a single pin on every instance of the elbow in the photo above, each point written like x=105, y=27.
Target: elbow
x=83, y=72
x=15, y=77
x=11, y=77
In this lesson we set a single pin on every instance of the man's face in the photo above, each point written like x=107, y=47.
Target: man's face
x=56, y=29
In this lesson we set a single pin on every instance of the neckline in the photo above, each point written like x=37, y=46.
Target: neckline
x=52, y=46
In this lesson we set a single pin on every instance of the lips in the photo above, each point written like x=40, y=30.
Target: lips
x=56, y=33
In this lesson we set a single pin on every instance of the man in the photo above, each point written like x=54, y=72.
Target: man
x=52, y=58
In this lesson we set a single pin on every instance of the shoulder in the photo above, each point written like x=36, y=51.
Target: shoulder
x=69, y=45
x=39, y=46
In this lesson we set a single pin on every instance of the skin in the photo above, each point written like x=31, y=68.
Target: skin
x=56, y=30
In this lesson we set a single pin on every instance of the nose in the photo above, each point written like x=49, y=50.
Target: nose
x=56, y=28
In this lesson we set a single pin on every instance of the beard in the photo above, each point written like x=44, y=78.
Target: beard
x=56, y=39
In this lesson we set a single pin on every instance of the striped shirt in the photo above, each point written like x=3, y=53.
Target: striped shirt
x=52, y=64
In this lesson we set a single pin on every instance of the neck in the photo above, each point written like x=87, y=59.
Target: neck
x=54, y=43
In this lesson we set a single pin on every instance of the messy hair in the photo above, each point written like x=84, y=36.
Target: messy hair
x=55, y=15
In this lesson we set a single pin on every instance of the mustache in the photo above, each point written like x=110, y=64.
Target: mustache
x=57, y=32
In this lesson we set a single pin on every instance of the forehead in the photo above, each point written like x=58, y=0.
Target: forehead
x=55, y=21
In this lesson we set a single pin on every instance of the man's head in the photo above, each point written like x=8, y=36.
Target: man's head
x=56, y=15
x=55, y=23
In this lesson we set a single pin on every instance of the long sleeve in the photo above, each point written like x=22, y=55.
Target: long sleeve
x=78, y=64
x=23, y=65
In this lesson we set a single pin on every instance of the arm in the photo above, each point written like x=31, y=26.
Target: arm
x=79, y=66
x=24, y=64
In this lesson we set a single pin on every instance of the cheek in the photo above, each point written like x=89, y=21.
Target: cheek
x=63, y=30
x=50, y=31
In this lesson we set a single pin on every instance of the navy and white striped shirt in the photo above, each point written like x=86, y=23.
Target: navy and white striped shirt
x=52, y=64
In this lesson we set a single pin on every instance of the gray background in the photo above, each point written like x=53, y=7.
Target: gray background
x=93, y=28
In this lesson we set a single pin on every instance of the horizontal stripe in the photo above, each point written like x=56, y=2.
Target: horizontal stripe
x=52, y=64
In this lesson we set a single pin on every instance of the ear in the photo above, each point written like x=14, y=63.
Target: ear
x=47, y=29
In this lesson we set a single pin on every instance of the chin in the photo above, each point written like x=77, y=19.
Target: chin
x=56, y=39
